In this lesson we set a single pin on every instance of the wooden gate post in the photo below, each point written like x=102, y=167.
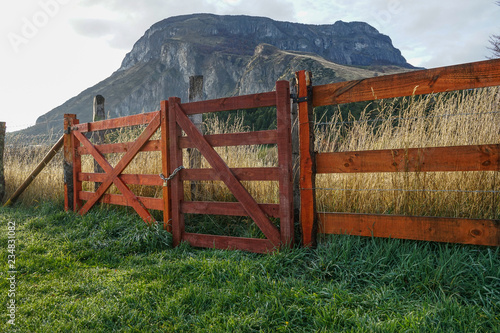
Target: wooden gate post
x=295, y=155
x=308, y=217
x=165, y=162
x=71, y=166
x=2, y=145
x=195, y=94
x=98, y=136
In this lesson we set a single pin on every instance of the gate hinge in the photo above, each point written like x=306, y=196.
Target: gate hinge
x=307, y=98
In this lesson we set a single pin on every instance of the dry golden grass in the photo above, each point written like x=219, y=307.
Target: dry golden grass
x=453, y=119
x=462, y=118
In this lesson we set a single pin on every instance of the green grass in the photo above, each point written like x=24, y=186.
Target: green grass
x=108, y=271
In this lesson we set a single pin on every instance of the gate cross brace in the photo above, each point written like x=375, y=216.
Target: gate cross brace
x=226, y=175
x=114, y=173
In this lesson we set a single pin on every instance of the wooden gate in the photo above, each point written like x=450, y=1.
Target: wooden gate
x=246, y=205
x=77, y=144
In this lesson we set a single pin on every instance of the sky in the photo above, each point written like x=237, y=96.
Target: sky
x=51, y=50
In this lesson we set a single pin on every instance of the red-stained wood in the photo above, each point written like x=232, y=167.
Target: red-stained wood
x=225, y=208
x=129, y=179
x=243, y=174
x=132, y=200
x=77, y=167
x=134, y=120
x=308, y=218
x=68, y=149
x=230, y=243
x=235, y=139
x=165, y=166
x=116, y=199
x=284, y=125
x=117, y=148
x=231, y=103
x=459, y=158
x=237, y=189
x=459, y=77
x=176, y=184
x=122, y=164
x=435, y=229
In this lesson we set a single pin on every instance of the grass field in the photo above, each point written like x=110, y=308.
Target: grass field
x=108, y=271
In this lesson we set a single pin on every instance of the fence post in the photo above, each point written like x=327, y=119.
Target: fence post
x=195, y=94
x=295, y=155
x=308, y=217
x=165, y=161
x=68, y=162
x=72, y=165
x=2, y=145
x=98, y=136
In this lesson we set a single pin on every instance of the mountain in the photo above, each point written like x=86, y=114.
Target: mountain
x=236, y=55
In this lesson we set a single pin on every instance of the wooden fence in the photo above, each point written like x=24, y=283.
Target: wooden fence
x=173, y=119
x=438, y=159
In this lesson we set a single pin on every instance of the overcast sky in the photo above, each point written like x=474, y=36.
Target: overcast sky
x=51, y=50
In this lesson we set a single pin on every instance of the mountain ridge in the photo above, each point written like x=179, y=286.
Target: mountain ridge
x=236, y=55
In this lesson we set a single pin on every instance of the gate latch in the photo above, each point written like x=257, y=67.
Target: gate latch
x=166, y=179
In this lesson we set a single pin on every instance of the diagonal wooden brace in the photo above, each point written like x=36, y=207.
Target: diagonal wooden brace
x=131, y=198
x=113, y=173
x=227, y=176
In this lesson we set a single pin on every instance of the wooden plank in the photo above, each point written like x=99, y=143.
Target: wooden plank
x=308, y=218
x=243, y=174
x=134, y=120
x=177, y=187
x=235, y=139
x=77, y=168
x=122, y=164
x=459, y=158
x=225, y=208
x=295, y=153
x=116, y=199
x=230, y=243
x=68, y=162
x=467, y=76
x=117, y=148
x=129, y=179
x=98, y=136
x=165, y=166
x=240, y=193
x=231, y=103
x=435, y=229
x=195, y=94
x=131, y=198
x=284, y=125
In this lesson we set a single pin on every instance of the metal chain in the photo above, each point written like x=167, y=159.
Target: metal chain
x=165, y=180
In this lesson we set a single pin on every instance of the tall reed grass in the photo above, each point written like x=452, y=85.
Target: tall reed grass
x=448, y=119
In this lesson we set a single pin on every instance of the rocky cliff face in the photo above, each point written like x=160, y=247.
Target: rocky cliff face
x=353, y=43
x=236, y=55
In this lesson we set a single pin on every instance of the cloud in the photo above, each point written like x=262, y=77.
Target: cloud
x=123, y=22
x=93, y=28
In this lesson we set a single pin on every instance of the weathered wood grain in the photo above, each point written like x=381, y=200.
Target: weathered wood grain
x=450, y=78
x=434, y=159
x=434, y=229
